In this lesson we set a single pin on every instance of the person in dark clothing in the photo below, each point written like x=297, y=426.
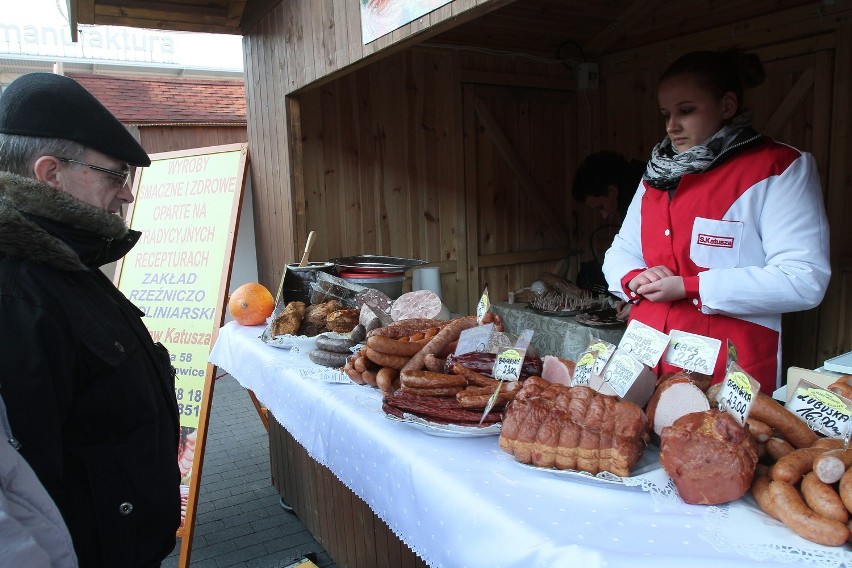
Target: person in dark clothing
x=606, y=182
x=89, y=395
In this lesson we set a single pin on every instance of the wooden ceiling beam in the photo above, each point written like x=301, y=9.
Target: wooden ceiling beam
x=160, y=11
x=620, y=26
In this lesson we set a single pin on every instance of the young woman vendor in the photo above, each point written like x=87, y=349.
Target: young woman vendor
x=727, y=230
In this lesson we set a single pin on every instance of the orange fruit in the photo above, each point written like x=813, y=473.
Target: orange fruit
x=251, y=304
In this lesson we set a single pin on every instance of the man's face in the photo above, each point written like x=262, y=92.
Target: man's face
x=607, y=204
x=101, y=189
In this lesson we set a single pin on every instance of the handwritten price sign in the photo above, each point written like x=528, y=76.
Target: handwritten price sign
x=692, y=352
x=621, y=372
x=584, y=368
x=738, y=393
x=822, y=410
x=644, y=343
x=507, y=365
x=474, y=339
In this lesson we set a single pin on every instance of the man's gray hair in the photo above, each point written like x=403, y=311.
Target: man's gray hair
x=18, y=154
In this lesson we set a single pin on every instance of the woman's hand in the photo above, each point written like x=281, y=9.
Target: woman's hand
x=648, y=276
x=622, y=311
x=667, y=289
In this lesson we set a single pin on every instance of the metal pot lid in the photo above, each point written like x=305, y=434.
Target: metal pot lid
x=368, y=263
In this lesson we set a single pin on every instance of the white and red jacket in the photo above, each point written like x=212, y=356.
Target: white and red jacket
x=750, y=239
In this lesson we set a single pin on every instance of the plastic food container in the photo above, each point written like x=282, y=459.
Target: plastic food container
x=390, y=283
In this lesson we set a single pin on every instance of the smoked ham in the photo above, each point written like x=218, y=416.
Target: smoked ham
x=557, y=370
x=551, y=425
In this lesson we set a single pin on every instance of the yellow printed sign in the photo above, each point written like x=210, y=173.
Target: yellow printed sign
x=186, y=208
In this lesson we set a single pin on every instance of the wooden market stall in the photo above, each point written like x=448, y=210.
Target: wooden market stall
x=454, y=138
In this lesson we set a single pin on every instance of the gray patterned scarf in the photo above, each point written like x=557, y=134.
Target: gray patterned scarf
x=666, y=166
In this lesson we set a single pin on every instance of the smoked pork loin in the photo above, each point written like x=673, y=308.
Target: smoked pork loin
x=709, y=456
x=552, y=425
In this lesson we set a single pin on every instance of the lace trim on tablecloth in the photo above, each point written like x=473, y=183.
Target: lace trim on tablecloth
x=658, y=484
x=721, y=533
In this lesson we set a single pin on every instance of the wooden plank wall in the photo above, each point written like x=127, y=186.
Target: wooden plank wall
x=342, y=523
x=298, y=43
x=384, y=164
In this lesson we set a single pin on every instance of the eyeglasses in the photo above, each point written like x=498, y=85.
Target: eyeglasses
x=124, y=176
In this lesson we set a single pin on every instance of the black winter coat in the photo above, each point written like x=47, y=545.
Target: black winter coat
x=89, y=395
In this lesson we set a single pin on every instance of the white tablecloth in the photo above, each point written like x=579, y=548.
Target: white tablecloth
x=462, y=502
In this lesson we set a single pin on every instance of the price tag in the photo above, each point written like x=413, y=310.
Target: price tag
x=584, y=369
x=605, y=350
x=622, y=371
x=475, y=339
x=822, y=410
x=483, y=306
x=692, y=352
x=738, y=393
x=507, y=365
x=644, y=343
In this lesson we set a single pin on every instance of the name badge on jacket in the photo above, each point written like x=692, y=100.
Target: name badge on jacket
x=715, y=243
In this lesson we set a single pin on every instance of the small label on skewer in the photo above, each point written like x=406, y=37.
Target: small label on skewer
x=604, y=350
x=584, y=369
x=507, y=365
x=738, y=393
x=483, y=306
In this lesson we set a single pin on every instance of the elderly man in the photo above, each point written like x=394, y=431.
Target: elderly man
x=89, y=395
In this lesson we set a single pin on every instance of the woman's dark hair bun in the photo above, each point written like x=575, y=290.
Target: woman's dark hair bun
x=749, y=67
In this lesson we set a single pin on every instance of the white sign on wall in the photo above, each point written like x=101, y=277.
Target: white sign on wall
x=40, y=29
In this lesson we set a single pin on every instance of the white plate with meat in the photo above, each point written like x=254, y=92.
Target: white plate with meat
x=447, y=430
x=650, y=461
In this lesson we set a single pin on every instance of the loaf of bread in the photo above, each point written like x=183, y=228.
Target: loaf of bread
x=288, y=321
x=342, y=321
x=709, y=456
x=552, y=425
x=315, y=318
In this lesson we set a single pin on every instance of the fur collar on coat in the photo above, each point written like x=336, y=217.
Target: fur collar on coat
x=34, y=215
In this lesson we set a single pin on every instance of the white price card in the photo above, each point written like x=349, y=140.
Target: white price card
x=738, y=393
x=822, y=410
x=475, y=339
x=584, y=369
x=644, y=343
x=507, y=365
x=697, y=353
x=605, y=350
x=483, y=306
x=621, y=372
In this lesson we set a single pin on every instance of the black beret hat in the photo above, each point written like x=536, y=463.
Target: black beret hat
x=53, y=106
